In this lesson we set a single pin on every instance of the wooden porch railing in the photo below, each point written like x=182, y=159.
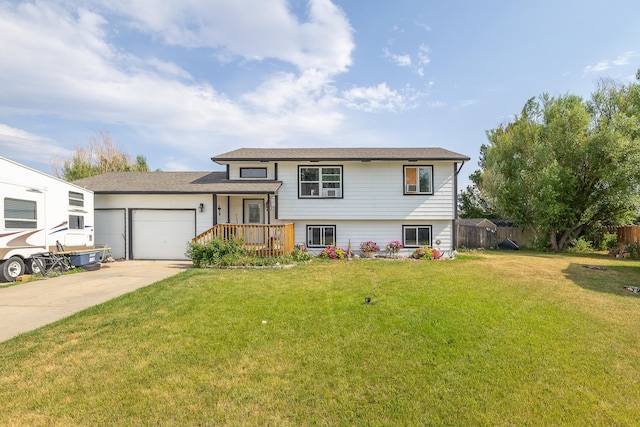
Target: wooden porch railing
x=266, y=240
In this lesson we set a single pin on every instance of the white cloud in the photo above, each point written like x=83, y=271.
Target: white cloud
x=65, y=64
x=399, y=60
x=600, y=66
x=405, y=60
x=17, y=144
x=467, y=102
x=606, y=64
x=379, y=98
x=423, y=58
x=251, y=29
x=70, y=60
x=625, y=58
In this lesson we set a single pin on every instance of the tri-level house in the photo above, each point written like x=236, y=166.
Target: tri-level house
x=276, y=199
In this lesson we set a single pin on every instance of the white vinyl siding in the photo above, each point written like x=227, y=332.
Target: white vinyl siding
x=372, y=191
x=381, y=232
x=244, y=170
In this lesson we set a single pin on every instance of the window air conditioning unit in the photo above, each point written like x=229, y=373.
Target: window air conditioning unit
x=412, y=188
x=331, y=193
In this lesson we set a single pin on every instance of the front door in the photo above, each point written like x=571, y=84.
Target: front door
x=254, y=211
x=254, y=215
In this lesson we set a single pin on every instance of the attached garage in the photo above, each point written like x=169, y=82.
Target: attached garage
x=161, y=233
x=110, y=230
x=152, y=215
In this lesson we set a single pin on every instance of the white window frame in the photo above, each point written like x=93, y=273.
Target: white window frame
x=322, y=234
x=326, y=189
x=415, y=243
x=411, y=188
x=14, y=218
x=76, y=199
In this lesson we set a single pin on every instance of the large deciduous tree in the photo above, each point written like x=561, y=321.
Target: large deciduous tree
x=565, y=164
x=99, y=156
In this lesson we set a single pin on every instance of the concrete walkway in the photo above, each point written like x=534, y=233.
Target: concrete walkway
x=27, y=306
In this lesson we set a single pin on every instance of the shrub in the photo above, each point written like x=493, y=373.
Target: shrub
x=426, y=252
x=301, y=256
x=331, y=252
x=217, y=252
x=609, y=241
x=580, y=245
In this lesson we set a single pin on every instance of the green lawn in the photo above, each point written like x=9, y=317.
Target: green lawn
x=488, y=339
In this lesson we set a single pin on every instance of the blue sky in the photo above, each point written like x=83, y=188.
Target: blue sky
x=180, y=81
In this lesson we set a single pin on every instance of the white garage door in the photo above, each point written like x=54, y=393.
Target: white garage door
x=161, y=234
x=110, y=230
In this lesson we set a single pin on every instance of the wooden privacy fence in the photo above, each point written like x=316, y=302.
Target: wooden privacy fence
x=266, y=240
x=628, y=235
x=472, y=237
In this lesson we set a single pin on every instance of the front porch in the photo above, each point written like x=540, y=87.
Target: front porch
x=266, y=240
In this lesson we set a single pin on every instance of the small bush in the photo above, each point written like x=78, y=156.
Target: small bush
x=426, y=253
x=609, y=242
x=216, y=252
x=580, y=245
x=301, y=256
x=331, y=252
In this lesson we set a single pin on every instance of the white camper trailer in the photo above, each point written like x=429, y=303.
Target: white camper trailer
x=38, y=213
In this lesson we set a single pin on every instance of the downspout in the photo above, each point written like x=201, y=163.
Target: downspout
x=214, y=200
x=228, y=209
x=454, y=235
x=268, y=209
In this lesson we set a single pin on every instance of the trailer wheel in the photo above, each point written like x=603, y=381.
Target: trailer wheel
x=32, y=267
x=92, y=267
x=12, y=268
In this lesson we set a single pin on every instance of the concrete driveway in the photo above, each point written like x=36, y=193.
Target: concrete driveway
x=27, y=306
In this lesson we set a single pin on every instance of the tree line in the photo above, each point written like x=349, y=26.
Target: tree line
x=563, y=165
x=99, y=156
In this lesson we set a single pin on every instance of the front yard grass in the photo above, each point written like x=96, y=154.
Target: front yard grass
x=487, y=339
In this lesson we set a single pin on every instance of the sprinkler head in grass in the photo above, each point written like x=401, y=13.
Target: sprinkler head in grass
x=367, y=300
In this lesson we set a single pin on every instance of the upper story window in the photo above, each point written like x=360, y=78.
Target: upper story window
x=19, y=213
x=320, y=181
x=253, y=172
x=418, y=180
x=76, y=199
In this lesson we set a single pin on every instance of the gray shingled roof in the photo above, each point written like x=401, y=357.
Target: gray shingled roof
x=317, y=154
x=172, y=182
